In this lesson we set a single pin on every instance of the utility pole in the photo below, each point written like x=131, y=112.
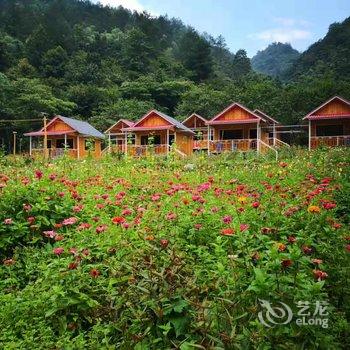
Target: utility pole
x=14, y=142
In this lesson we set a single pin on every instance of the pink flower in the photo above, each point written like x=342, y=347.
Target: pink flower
x=214, y=209
x=83, y=226
x=155, y=197
x=243, y=227
x=50, y=234
x=227, y=219
x=126, y=225
x=58, y=251
x=69, y=221
x=197, y=226
x=73, y=251
x=8, y=221
x=31, y=220
x=27, y=207
x=171, y=216
x=126, y=212
x=52, y=177
x=9, y=262
x=101, y=228
x=78, y=208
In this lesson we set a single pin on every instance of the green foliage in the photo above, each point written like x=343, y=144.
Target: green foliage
x=146, y=261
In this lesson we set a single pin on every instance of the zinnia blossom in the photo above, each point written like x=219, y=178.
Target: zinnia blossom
x=320, y=275
x=69, y=221
x=227, y=219
x=58, y=251
x=8, y=221
x=118, y=220
x=94, y=273
x=227, y=231
x=314, y=209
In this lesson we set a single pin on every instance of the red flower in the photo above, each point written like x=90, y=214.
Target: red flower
x=83, y=226
x=164, y=243
x=118, y=220
x=286, y=263
x=58, y=251
x=255, y=204
x=307, y=250
x=329, y=205
x=72, y=265
x=59, y=238
x=227, y=231
x=347, y=248
x=38, y=174
x=94, y=273
x=320, y=275
x=197, y=226
x=292, y=239
x=31, y=220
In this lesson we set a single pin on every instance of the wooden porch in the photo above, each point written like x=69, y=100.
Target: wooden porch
x=330, y=141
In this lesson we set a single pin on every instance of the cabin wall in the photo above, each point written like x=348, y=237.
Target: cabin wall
x=244, y=127
x=153, y=120
x=161, y=133
x=236, y=113
x=344, y=122
x=96, y=153
x=334, y=107
x=184, y=142
x=59, y=125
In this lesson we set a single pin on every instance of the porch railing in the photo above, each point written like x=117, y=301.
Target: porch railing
x=330, y=141
x=232, y=145
x=146, y=150
x=200, y=144
x=54, y=152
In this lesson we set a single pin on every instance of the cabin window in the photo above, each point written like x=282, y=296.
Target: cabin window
x=153, y=139
x=231, y=134
x=171, y=139
x=252, y=133
x=49, y=144
x=60, y=143
x=89, y=145
x=329, y=130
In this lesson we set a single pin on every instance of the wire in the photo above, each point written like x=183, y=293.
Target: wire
x=20, y=120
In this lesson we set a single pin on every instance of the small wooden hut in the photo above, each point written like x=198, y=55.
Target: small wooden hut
x=237, y=128
x=155, y=132
x=116, y=136
x=198, y=125
x=329, y=124
x=66, y=135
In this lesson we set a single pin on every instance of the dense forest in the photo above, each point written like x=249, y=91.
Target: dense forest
x=276, y=60
x=99, y=64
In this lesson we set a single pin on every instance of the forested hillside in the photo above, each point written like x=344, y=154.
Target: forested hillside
x=99, y=64
x=329, y=55
x=275, y=60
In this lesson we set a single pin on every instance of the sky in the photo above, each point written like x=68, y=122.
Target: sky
x=250, y=24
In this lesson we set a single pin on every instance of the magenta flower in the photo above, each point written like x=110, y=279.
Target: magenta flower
x=227, y=219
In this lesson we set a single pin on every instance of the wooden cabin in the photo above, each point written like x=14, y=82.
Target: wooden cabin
x=117, y=137
x=329, y=124
x=155, y=132
x=198, y=125
x=66, y=135
x=237, y=128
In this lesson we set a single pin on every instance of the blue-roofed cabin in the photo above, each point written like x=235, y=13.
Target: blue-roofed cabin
x=156, y=132
x=65, y=135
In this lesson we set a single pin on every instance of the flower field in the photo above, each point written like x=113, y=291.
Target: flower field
x=177, y=254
